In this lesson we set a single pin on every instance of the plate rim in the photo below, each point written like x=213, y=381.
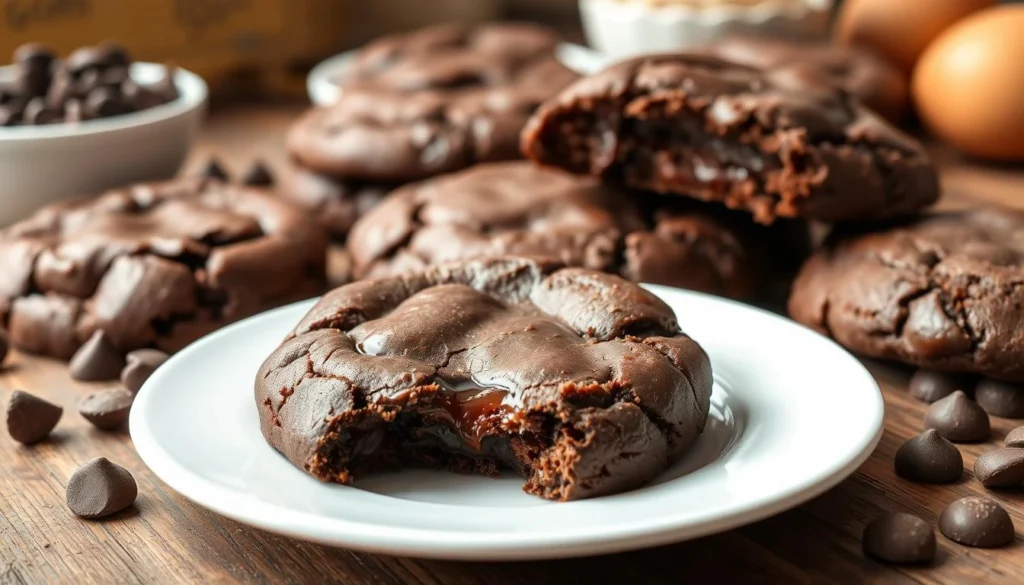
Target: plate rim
x=424, y=543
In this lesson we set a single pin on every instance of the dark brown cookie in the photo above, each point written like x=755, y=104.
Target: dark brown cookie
x=335, y=203
x=518, y=208
x=415, y=108
x=154, y=265
x=942, y=291
x=717, y=131
x=855, y=70
x=579, y=380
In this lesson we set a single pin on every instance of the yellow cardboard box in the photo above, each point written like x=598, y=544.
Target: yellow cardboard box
x=237, y=45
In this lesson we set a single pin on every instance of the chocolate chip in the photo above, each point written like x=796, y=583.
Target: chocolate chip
x=929, y=385
x=977, y=521
x=141, y=365
x=100, y=488
x=1000, y=398
x=73, y=111
x=30, y=418
x=62, y=88
x=929, y=458
x=37, y=113
x=898, y=537
x=33, y=55
x=1000, y=468
x=102, y=56
x=107, y=409
x=97, y=359
x=5, y=346
x=258, y=175
x=958, y=419
x=104, y=102
x=9, y=116
x=1015, y=438
x=213, y=170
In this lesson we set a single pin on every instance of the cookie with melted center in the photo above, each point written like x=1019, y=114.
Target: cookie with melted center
x=699, y=126
x=580, y=381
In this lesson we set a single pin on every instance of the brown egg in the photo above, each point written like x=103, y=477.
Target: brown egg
x=899, y=30
x=969, y=84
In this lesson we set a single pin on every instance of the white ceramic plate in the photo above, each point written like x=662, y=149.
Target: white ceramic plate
x=323, y=91
x=792, y=415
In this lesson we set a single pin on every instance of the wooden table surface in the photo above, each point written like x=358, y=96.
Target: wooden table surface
x=167, y=539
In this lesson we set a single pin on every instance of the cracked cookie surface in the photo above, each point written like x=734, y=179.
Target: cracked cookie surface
x=702, y=127
x=518, y=208
x=430, y=102
x=154, y=265
x=580, y=381
x=944, y=291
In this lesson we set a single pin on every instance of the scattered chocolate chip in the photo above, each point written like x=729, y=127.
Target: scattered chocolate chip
x=1000, y=468
x=96, y=360
x=977, y=521
x=5, y=346
x=1000, y=398
x=30, y=418
x=100, y=488
x=1015, y=438
x=929, y=458
x=107, y=409
x=213, y=170
x=958, y=418
x=929, y=385
x=258, y=175
x=141, y=365
x=898, y=537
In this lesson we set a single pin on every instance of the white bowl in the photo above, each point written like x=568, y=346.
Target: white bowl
x=44, y=164
x=626, y=28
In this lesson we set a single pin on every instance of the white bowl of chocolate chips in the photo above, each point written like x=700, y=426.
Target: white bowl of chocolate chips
x=90, y=122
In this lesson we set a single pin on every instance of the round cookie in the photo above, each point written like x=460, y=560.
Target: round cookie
x=857, y=71
x=518, y=208
x=581, y=381
x=154, y=265
x=701, y=127
x=335, y=203
x=430, y=103
x=942, y=291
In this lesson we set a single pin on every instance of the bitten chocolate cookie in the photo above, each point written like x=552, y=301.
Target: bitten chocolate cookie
x=520, y=209
x=413, y=109
x=943, y=291
x=580, y=381
x=857, y=71
x=154, y=265
x=335, y=203
x=722, y=132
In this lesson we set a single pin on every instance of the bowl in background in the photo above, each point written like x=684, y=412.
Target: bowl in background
x=43, y=164
x=624, y=28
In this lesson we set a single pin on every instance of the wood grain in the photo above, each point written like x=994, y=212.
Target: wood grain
x=166, y=539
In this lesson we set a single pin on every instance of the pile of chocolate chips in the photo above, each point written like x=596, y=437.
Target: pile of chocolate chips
x=93, y=82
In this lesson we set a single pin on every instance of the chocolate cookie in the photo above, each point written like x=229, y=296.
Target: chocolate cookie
x=718, y=131
x=335, y=203
x=942, y=291
x=517, y=208
x=154, y=265
x=857, y=71
x=580, y=381
x=407, y=114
